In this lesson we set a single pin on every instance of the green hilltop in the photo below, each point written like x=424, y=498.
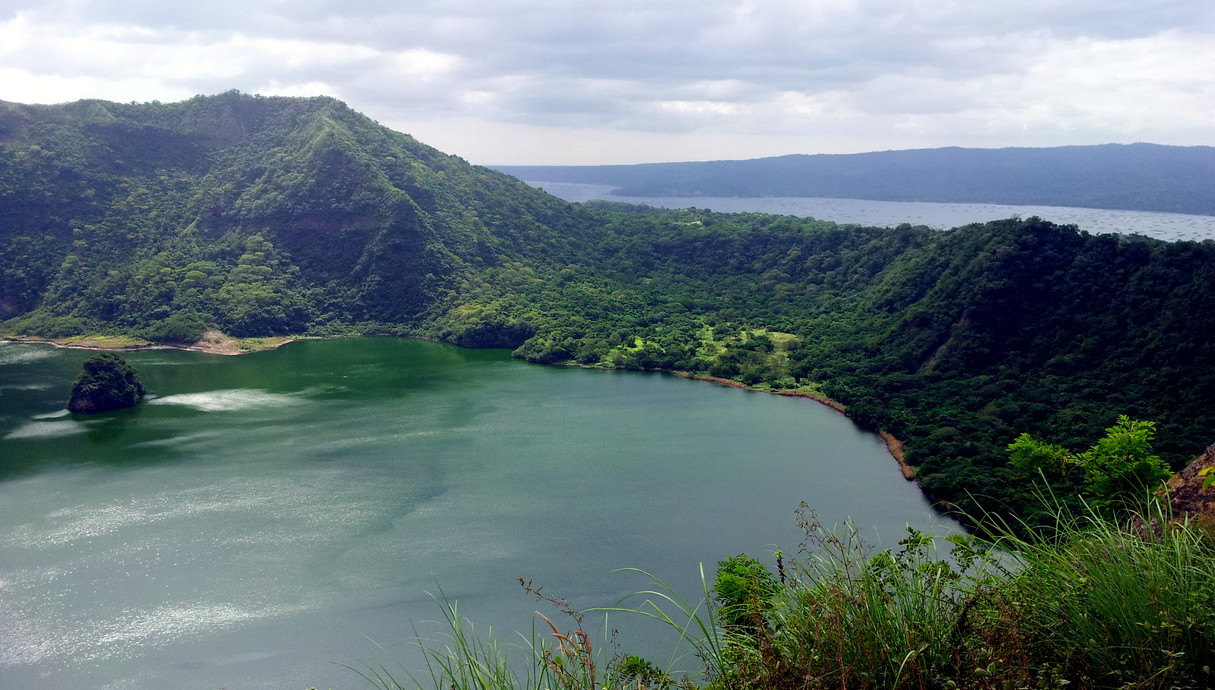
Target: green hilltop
x=257, y=215
x=282, y=216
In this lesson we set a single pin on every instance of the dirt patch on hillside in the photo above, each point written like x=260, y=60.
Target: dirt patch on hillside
x=217, y=343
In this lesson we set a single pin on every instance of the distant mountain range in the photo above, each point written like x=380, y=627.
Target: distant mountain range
x=1140, y=177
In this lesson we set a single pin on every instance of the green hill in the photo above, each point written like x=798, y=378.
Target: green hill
x=270, y=216
x=259, y=215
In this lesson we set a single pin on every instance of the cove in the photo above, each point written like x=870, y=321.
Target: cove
x=260, y=519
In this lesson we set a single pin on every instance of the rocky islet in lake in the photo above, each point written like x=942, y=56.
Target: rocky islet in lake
x=106, y=382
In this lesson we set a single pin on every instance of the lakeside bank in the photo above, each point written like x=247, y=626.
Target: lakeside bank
x=217, y=343
x=212, y=343
x=893, y=445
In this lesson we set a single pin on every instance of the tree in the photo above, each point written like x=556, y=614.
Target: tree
x=1120, y=470
x=1037, y=458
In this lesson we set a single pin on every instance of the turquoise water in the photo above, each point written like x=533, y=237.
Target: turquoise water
x=261, y=521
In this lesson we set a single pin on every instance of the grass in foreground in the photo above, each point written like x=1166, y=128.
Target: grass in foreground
x=1095, y=603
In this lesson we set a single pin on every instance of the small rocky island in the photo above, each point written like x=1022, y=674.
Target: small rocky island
x=106, y=382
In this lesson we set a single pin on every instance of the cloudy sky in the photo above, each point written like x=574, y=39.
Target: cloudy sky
x=629, y=81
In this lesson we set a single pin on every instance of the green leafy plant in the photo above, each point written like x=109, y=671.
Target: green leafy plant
x=745, y=592
x=1208, y=477
x=1120, y=471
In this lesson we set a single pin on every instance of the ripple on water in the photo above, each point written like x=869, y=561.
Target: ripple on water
x=45, y=429
x=228, y=400
x=182, y=441
x=12, y=353
x=134, y=631
x=42, y=624
x=307, y=501
x=169, y=623
x=25, y=386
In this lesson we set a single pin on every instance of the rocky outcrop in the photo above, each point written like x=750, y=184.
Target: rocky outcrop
x=1186, y=493
x=106, y=382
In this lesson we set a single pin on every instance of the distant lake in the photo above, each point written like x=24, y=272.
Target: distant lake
x=260, y=519
x=1165, y=226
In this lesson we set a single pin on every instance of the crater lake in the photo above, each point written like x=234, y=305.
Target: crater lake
x=271, y=519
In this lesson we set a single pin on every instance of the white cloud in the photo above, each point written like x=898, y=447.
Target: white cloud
x=297, y=54
x=727, y=78
x=420, y=62
x=305, y=90
x=701, y=108
x=27, y=87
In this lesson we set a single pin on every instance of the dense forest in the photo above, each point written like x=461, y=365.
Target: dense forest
x=1141, y=177
x=271, y=216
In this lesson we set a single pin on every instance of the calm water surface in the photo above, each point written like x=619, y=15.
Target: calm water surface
x=1164, y=226
x=261, y=520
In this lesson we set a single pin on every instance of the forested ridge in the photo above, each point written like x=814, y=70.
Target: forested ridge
x=1140, y=177
x=264, y=216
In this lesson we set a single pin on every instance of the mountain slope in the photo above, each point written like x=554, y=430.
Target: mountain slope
x=263, y=216
x=1018, y=326
x=234, y=209
x=1144, y=177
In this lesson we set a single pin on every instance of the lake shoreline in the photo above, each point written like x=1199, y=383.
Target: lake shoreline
x=212, y=343
x=217, y=343
x=893, y=445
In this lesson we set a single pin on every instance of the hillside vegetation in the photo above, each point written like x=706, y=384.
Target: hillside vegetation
x=1141, y=177
x=272, y=216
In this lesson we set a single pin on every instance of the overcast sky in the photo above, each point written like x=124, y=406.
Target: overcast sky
x=630, y=81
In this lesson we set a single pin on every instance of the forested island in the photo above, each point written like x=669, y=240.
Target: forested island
x=282, y=216
x=105, y=383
